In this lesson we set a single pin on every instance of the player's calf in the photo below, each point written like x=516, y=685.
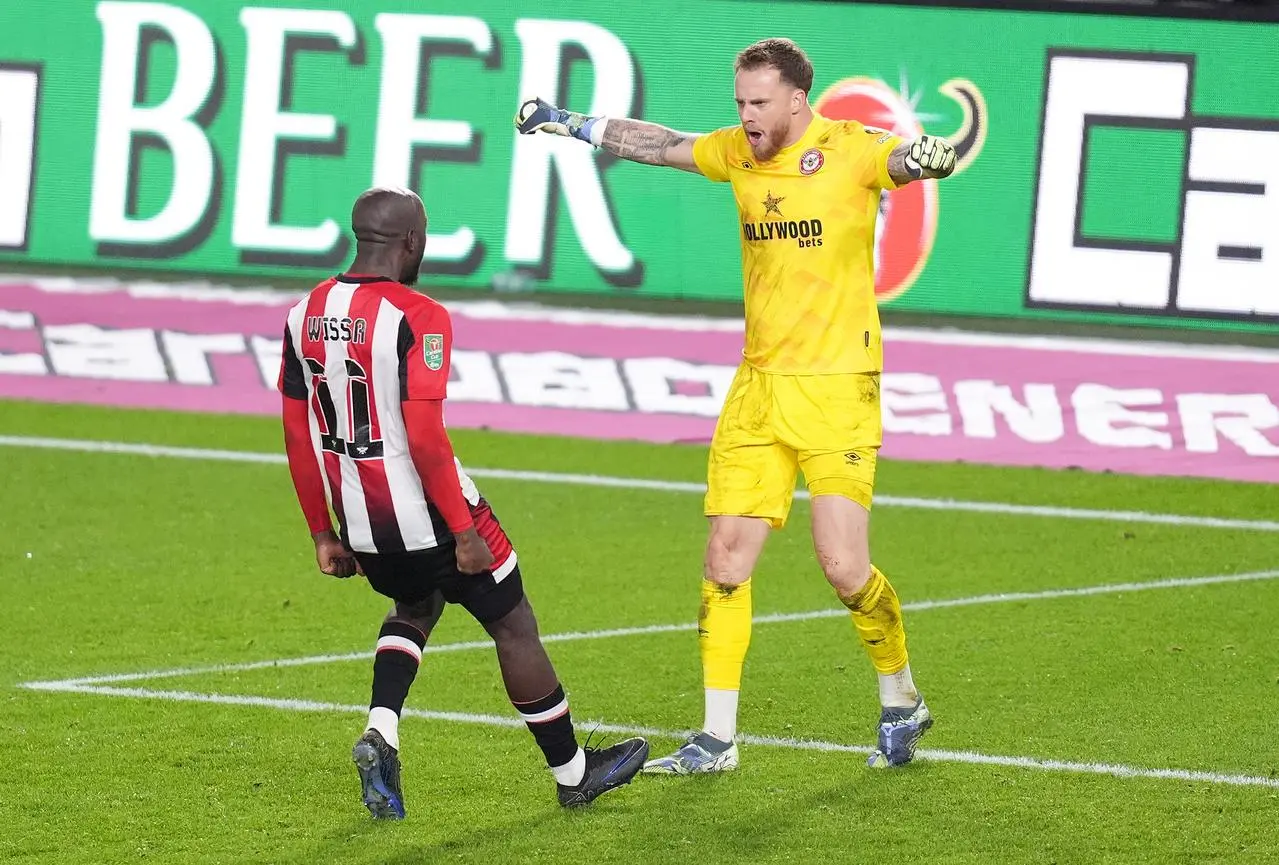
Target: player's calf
x=536, y=693
x=376, y=753
x=400, y=643
x=581, y=774
x=724, y=633
x=395, y=664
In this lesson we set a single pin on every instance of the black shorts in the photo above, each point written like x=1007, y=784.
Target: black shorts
x=411, y=577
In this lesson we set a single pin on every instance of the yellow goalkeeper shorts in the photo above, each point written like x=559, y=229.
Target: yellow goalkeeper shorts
x=772, y=426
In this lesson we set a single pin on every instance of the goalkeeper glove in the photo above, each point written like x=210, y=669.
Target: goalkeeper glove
x=538, y=115
x=930, y=156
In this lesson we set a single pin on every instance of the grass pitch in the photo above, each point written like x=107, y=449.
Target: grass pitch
x=123, y=563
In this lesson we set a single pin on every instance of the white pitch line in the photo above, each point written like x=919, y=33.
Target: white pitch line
x=571, y=636
x=1103, y=589
x=145, y=450
x=590, y=480
x=924, y=754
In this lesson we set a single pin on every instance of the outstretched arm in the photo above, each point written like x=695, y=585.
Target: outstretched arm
x=926, y=157
x=636, y=140
x=649, y=143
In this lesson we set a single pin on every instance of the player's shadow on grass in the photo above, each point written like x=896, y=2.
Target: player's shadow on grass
x=739, y=817
x=742, y=816
x=444, y=837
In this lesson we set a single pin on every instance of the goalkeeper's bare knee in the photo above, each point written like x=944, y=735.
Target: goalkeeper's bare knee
x=847, y=576
x=733, y=549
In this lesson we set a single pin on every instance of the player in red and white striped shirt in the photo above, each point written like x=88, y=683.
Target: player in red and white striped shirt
x=364, y=375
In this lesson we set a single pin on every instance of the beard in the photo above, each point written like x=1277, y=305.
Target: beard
x=770, y=143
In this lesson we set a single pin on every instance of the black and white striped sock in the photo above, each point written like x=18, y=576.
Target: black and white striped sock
x=549, y=721
x=395, y=663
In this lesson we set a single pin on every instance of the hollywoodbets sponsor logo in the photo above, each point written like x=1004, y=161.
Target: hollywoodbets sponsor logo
x=808, y=232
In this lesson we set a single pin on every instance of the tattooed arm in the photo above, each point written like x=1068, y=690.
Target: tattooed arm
x=897, y=165
x=636, y=140
x=926, y=157
x=641, y=141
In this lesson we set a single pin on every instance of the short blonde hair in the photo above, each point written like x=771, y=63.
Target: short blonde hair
x=782, y=54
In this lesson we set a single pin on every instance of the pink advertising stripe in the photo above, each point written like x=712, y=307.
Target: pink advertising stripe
x=956, y=363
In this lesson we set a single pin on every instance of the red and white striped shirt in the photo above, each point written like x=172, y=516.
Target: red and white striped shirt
x=364, y=373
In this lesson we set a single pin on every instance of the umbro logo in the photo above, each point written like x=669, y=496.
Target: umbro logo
x=853, y=458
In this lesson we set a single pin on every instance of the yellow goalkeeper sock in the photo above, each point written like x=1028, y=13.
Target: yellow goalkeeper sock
x=724, y=633
x=877, y=616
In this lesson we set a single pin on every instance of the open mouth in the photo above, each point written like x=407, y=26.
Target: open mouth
x=754, y=137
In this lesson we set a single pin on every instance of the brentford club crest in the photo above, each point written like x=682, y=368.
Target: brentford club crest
x=811, y=161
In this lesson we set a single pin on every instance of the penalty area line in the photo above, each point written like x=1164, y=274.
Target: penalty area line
x=1116, y=770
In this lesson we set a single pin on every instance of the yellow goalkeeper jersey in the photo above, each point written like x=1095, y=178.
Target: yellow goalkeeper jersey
x=808, y=237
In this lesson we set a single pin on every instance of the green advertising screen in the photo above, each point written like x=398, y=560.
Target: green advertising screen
x=1113, y=168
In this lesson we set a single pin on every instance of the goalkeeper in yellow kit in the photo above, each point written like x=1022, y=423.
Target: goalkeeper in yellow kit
x=806, y=395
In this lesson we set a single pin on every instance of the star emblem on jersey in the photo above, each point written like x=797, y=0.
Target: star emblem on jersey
x=433, y=350
x=771, y=204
